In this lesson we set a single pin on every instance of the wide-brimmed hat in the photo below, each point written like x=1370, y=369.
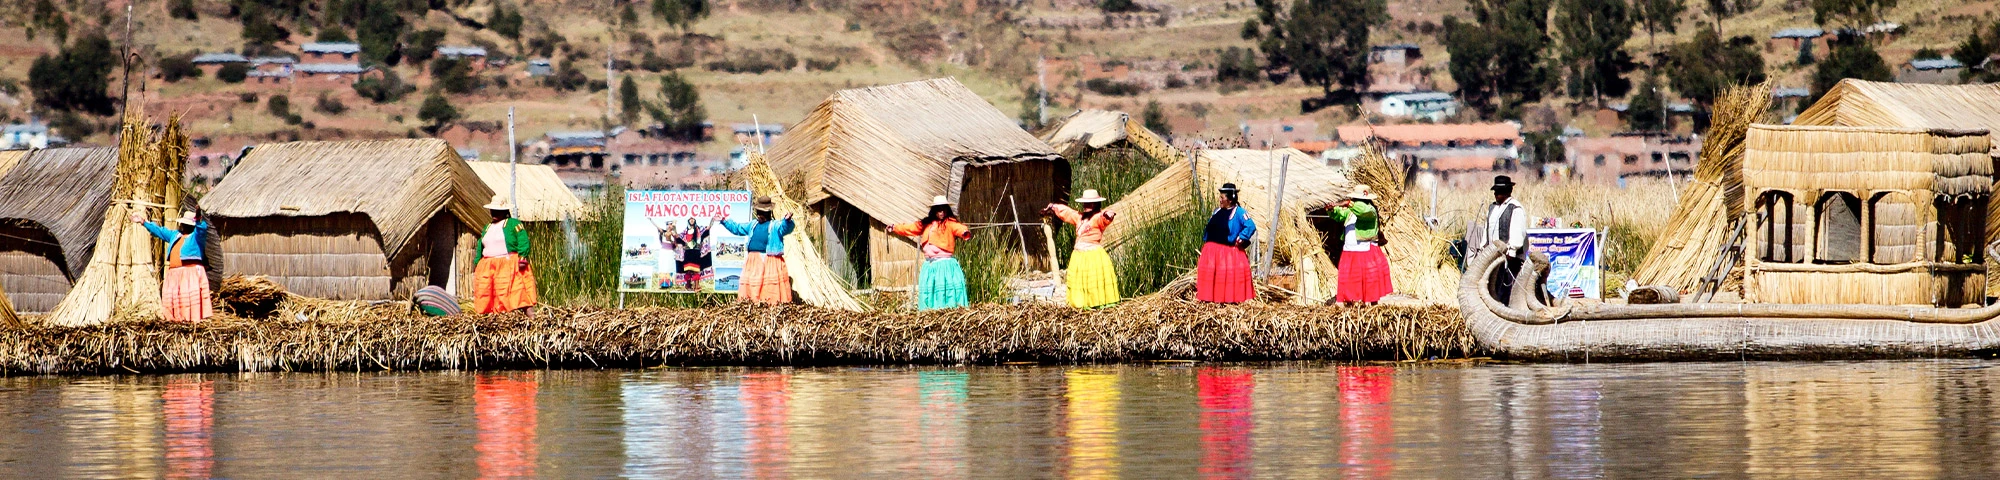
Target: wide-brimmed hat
x=1361, y=192
x=763, y=203
x=940, y=200
x=1503, y=181
x=1090, y=196
x=1228, y=188
x=187, y=218
x=499, y=203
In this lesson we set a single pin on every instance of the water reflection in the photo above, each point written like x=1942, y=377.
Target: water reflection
x=1922, y=419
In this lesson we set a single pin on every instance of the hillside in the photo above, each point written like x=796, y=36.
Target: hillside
x=827, y=45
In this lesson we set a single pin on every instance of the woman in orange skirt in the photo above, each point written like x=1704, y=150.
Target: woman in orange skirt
x=503, y=281
x=765, y=279
x=1222, y=275
x=184, y=294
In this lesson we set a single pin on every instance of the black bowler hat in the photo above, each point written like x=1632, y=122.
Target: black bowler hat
x=1503, y=182
x=1228, y=188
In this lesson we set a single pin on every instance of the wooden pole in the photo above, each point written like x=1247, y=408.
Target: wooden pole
x=1277, y=212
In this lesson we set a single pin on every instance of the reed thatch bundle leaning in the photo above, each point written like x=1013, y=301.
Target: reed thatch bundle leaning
x=812, y=279
x=1711, y=206
x=322, y=335
x=123, y=277
x=7, y=315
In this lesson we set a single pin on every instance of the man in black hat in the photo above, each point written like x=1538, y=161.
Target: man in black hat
x=1507, y=222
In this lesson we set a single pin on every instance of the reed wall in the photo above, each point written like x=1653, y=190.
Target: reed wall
x=31, y=268
x=1917, y=286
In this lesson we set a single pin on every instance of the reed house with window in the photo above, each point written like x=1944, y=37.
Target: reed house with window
x=352, y=220
x=1866, y=215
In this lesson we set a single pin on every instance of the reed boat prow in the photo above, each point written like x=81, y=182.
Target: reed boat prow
x=1696, y=331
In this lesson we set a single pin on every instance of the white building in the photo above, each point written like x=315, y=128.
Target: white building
x=1433, y=106
x=33, y=134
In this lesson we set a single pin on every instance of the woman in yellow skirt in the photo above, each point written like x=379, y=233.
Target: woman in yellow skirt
x=1092, y=281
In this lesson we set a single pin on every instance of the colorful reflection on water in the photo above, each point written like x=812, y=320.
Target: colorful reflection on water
x=1914, y=419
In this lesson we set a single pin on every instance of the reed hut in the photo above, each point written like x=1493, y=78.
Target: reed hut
x=52, y=205
x=1308, y=186
x=351, y=220
x=1866, y=215
x=1860, y=103
x=541, y=196
x=869, y=157
x=1093, y=130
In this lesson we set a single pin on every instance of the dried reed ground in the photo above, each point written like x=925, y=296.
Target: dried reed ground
x=309, y=335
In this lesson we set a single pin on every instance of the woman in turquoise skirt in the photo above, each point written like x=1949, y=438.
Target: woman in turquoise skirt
x=941, y=283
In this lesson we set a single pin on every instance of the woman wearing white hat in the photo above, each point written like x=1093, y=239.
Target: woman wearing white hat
x=1364, y=269
x=184, y=294
x=1092, y=280
x=941, y=283
x=502, y=282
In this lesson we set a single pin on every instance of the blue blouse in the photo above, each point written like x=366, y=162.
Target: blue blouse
x=191, y=250
x=766, y=237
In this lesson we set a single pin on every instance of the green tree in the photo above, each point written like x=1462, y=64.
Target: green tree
x=1852, y=57
x=1324, y=42
x=436, y=112
x=1719, y=10
x=506, y=22
x=380, y=33
x=1701, y=68
x=76, y=78
x=46, y=16
x=629, y=105
x=1849, y=13
x=677, y=107
x=423, y=45
x=1031, y=117
x=1498, y=58
x=1593, y=34
x=1657, y=16
x=332, y=33
x=233, y=73
x=454, y=75
x=1647, y=111
x=183, y=9
x=1974, y=51
x=259, y=28
x=278, y=106
x=386, y=88
x=1155, y=118
x=175, y=68
x=680, y=13
x=1118, y=6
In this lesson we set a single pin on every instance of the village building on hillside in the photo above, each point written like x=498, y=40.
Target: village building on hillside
x=872, y=157
x=1431, y=106
x=1444, y=155
x=1800, y=38
x=643, y=158
x=31, y=134
x=49, y=226
x=1615, y=159
x=1278, y=132
x=540, y=67
x=1941, y=71
x=209, y=63
x=330, y=50
x=351, y=220
x=342, y=74
x=1398, y=68
x=474, y=56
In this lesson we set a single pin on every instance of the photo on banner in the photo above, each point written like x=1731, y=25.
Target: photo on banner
x=674, y=242
x=1573, y=261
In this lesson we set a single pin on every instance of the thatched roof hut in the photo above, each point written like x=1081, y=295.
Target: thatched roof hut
x=1309, y=185
x=1861, y=103
x=873, y=156
x=1877, y=215
x=543, y=196
x=52, y=206
x=357, y=219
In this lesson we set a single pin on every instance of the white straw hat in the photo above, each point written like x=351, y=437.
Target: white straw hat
x=1090, y=196
x=1361, y=192
x=499, y=203
x=187, y=218
x=940, y=200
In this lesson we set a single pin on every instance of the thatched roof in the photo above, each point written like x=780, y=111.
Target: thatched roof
x=1867, y=159
x=1086, y=128
x=8, y=158
x=543, y=196
x=888, y=149
x=398, y=184
x=1859, y=103
x=64, y=190
x=1309, y=184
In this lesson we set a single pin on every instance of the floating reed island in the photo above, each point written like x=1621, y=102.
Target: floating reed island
x=318, y=335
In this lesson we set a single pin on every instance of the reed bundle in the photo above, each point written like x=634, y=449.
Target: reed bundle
x=124, y=273
x=250, y=296
x=812, y=279
x=1419, y=256
x=7, y=315
x=1712, y=204
x=323, y=335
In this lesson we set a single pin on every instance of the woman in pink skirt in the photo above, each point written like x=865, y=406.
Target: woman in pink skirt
x=1364, y=269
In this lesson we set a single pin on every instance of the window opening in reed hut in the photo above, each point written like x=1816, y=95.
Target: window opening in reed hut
x=1775, y=214
x=1839, y=228
x=1959, y=230
x=1893, y=227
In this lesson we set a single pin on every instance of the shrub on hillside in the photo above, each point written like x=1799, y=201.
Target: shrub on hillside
x=175, y=68
x=233, y=73
x=278, y=106
x=1104, y=86
x=756, y=61
x=819, y=65
x=436, y=112
x=329, y=105
x=385, y=89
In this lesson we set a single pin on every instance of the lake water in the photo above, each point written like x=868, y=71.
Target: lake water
x=1905, y=419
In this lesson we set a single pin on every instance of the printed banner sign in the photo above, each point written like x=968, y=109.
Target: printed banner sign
x=1573, y=261
x=672, y=242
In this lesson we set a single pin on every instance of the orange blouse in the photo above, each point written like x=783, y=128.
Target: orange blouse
x=943, y=235
x=1089, y=234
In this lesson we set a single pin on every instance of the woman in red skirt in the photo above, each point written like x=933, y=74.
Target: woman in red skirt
x=1223, y=273
x=1364, y=269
